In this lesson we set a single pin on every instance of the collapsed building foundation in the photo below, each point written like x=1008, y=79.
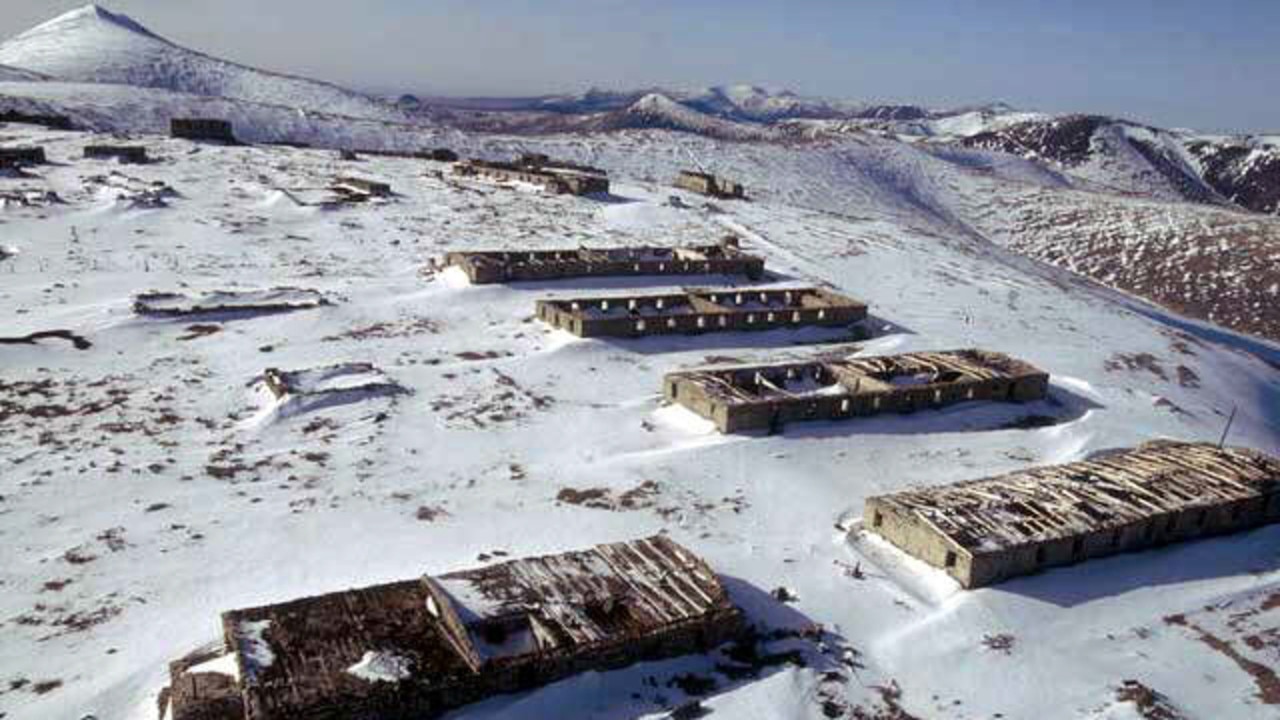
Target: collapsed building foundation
x=332, y=382
x=281, y=299
x=417, y=648
x=757, y=397
x=707, y=184
x=207, y=129
x=725, y=258
x=701, y=311
x=984, y=531
x=133, y=154
x=558, y=177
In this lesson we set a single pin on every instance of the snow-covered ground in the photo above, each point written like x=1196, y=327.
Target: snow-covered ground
x=147, y=483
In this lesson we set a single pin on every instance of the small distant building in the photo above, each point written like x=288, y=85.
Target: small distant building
x=207, y=129
x=17, y=157
x=418, y=648
x=985, y=531
x=360, y=186
x=560, y=178
x=53, y=122
x=707, y=184
x=757, y=397
x=134, y=154
x=497, y=266
x=701, y=311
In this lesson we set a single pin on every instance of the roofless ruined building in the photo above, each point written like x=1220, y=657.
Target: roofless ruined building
x=754, y=397
x=416, y=648
x=128, y=154
x=554, y=176
x=708, y=184
x=207, y=129
x=701, y=311
x=496, y=266
x=985, y=531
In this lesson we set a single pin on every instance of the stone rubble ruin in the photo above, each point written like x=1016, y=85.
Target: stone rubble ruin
x=417, y=648
x=497, y=266
x=757, y=397
x=985, y=531
x=701, y=311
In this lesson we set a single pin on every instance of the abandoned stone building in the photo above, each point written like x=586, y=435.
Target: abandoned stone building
x=19, y=156
x=560, y=178
x=757, y=397
x=53, y=122
x=361, y=187
x=981, y=532
x=134, y=154
x=707, y=184
x=701, y=311
x=202, y=129
x=724, y=258
x=417, y=648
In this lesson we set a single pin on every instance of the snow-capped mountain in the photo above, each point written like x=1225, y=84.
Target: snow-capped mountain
x=95, y=45
x=656, y=111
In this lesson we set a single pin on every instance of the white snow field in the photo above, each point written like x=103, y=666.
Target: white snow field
x=147, y=484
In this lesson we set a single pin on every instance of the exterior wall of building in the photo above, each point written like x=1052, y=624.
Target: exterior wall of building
x=563, y=314
x=201, y=129
x=53, y=122
x=129, y=154
x=917, y=540
x=21, y=156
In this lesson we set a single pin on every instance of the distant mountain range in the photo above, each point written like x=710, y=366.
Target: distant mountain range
x=113, y=73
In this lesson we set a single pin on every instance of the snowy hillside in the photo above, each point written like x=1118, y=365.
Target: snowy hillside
x=127, y=109
x=11, y=74
x=94, y=45
x=150, y=482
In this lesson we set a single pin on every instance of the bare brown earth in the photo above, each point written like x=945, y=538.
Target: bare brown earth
x=1204, y=262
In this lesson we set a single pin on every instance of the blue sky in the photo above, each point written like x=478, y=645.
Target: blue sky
x=1174, y=63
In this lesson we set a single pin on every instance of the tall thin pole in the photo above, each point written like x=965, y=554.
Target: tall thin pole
x=1227, y=429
